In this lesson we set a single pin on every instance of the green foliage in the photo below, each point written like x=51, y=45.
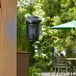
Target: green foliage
x=52, y=13
x=42, y=66
x=34, y=71
x=22, y=42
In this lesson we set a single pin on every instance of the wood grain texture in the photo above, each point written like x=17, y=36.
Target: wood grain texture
x=8, y=38
x=0, y=3
x=0, y=14
x=23, y=64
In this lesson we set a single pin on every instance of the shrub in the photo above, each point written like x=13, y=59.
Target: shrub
x=34, y=72
x=43, y=66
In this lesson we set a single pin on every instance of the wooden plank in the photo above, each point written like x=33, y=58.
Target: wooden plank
x=0, y=14
x=0, y=3
x=8, y=38
x=22, y=64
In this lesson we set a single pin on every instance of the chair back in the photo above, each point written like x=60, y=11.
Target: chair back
x=61, y=61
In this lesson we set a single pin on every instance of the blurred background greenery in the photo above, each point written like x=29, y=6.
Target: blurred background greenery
x=52, y=13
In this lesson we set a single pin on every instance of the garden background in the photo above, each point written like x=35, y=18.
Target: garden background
x=52, y=13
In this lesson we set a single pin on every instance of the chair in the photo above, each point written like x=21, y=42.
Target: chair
x=73, y=62
x=73, y=68
x=60, y=65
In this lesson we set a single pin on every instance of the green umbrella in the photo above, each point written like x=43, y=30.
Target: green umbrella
x=67, y=25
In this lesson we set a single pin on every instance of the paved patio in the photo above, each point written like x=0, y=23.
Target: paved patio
x=53, y=74
x=58, y=74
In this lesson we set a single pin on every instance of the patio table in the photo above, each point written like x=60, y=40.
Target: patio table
x=70, y=59
x=72, y=65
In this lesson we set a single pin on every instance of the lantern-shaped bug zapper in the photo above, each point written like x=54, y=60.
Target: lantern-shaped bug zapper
x=32, y=27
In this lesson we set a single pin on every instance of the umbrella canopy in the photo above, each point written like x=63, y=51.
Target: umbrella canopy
x=67, y=25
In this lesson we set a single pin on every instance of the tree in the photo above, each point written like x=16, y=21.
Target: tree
x=52, y=13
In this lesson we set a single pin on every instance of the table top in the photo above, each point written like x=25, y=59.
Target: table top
x=70, y=58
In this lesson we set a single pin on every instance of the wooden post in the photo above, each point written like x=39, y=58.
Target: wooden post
x=23, y=64
x=7, y=37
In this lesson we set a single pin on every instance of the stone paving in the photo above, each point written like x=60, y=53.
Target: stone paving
x=58, y=74
x=53, y=74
